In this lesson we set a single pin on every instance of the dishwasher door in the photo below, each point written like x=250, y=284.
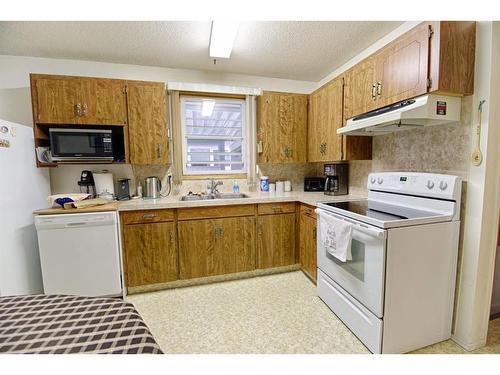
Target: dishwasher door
x=79, y=254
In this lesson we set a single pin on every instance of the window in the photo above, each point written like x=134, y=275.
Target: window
x=213, y=135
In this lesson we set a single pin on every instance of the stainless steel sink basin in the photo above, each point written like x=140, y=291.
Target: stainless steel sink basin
x=231, y=196
x=195, y=197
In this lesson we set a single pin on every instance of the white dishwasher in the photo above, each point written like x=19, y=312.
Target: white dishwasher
x=79, y=254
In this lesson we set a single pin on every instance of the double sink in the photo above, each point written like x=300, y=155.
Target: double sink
x=195, y=197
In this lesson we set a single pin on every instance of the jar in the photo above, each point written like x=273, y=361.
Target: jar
x=264, y=183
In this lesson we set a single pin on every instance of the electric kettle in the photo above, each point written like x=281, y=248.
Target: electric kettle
x=152, y=188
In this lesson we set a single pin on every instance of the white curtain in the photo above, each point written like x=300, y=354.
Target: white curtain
x=251, y=109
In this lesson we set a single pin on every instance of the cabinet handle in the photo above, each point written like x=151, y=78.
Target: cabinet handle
x=259, y=229
x=218, y=232
x=172, y=236
x=315, y=233
x=149, y=216
x=158, y=150
x=379, y=88
x=84, y=109
x=78, y=109
x=374, y=91
x=277, y=209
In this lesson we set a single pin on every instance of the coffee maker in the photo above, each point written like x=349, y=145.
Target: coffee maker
x=87, y=184
x=336, y=182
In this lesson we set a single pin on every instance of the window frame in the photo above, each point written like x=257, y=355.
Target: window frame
x=187, y=175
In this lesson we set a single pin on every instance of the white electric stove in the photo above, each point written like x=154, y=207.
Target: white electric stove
x=397, y=292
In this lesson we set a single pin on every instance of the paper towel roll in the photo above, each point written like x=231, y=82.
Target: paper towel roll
x=104, y=185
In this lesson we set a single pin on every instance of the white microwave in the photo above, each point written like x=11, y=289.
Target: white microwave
x=81, y=144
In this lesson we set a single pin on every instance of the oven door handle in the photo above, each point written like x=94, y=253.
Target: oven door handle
x=379, y=233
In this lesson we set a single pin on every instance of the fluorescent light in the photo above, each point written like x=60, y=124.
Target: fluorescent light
x=222, y=38
x=207, y=108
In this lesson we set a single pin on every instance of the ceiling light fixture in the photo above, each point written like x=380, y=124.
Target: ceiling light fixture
x=222, y=38
x=207, y=108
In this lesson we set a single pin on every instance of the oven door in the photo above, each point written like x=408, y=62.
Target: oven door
x=363, y=276
x=92, y=144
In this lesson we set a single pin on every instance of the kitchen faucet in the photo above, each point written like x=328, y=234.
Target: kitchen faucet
x=212, y=187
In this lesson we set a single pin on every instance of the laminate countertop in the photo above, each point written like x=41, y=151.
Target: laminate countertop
x=174, y=201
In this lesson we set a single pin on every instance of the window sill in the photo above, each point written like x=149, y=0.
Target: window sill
x=237, y=176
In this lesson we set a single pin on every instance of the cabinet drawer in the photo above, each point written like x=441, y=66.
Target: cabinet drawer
x=217, y=211
x=276, y=208
x=146, y=216
x=308, y=211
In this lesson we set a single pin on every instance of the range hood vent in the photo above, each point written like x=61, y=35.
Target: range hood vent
x=424, y=110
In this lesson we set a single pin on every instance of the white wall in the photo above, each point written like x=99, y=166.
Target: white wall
x=483, y=198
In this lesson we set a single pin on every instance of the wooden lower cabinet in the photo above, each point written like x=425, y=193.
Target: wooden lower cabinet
x=308, y=232
x=210, y=247
x=151, y=255
x=276, y=240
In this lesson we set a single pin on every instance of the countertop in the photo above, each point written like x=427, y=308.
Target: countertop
x=310, y=198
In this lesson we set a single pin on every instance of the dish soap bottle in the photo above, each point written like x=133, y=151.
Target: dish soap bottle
x=236, y=187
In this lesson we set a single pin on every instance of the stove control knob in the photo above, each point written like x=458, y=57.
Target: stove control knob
x=430, y=184
x=443, y=185
x=380, y=180
x=372, y=180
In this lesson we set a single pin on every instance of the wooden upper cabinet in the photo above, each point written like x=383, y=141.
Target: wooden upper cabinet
x=401, y=67
x=434, y=57
x=147, y=123
x=78, y=100
x=106, y=101
x=360, y=88
x=282, y=127
x=55, y=99
x=326, y=116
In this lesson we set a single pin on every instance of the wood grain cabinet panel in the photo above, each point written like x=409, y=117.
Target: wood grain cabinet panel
x=307, y=247
x=402, y=67
x=151, y=255
x=147, y=123
x=360, y=88
x=106, y=101
x=216, y=246
x=282, y=127
x=55, y=99
x=276, y=240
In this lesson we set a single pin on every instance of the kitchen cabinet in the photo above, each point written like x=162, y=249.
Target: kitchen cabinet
x=147, y=123
x=433, y=57
x=150, y=248
x=307, y=238
x=65, y=100
x=276, y=237
x=282, y=127
x=326, y=115
x=210, y=247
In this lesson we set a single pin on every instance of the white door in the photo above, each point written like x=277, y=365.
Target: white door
x=363, y=276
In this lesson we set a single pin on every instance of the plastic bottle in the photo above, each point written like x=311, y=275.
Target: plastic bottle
x=236, y=187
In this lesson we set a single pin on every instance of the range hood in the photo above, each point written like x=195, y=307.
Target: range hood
x=412, y=113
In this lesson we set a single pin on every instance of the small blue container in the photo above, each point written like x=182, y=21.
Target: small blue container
x=264, y=183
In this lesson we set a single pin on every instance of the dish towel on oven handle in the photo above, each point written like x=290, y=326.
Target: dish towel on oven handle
x=335, y=235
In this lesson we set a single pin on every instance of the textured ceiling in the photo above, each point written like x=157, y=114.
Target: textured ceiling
x=282, y=49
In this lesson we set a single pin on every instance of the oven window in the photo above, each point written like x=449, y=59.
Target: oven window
x=356, y=266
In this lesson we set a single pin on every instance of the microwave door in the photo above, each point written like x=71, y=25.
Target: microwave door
x=70, y=144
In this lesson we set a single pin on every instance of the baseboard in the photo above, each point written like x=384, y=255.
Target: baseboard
x=469, y=346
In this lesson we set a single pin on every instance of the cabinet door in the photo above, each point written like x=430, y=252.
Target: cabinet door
x=57, y=99
x=104, y=101
x=216, y=246
x=276, y=240
x=308, y=245
x=324, y=144
x=402, y=67
x=235, y=250
x=282, y=127
x=147, y=115
x=358, y=90
x=150, y=253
